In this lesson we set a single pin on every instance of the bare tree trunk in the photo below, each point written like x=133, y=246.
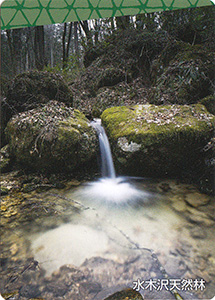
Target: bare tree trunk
x=76, y=38
x=39, y=47
x=122, y=22
x=112, y=24
x=66, y=45
x=96, y=36
x=85, y=27
x=12, y=52
x=69, y=40
x=51, y=56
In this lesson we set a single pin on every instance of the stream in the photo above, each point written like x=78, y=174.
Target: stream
x=88, y=240
x=109, y=241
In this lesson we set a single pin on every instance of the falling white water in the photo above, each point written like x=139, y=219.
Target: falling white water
x=106, y=156
x=109, y=188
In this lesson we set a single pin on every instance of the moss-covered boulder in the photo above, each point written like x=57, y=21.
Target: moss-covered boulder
x=149, y=140
x=109, y=96
x=30, y=89
x=209, y=103
x=52, y=138
x=182, y=74
x=120, y=58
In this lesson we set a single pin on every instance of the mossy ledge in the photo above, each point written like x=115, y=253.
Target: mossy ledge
x=150, y=140
x=52, y=138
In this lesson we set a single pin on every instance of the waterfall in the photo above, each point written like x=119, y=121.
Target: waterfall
x=109, y=188
x=107, y=165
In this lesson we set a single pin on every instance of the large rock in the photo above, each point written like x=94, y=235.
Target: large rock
x=30, y=89
x=52, y=138
x=182, y=74
x=112, y=68
x=149, y=140
x=209, y=103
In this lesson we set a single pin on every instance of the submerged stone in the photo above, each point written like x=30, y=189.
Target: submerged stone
x=195, y=216
x=197, y=232
x=197, y=199
x=52, y=138
x=151, y=140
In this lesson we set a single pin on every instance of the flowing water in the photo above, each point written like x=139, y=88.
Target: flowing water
x=107, y=165
x=111, y=188
x=109, y=233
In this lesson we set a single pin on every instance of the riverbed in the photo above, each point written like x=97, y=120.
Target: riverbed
x=67, y=243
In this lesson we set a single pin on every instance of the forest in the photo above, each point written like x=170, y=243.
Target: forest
x=62, y=46
x=91, y=65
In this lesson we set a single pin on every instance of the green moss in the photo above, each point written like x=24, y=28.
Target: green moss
x=165, y=136
x=209, y=103
x=148, y=120
x=52, y=138
x=78, y=123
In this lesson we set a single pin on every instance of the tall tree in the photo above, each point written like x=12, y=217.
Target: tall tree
x=123, y=22
x=147, y=21
x=85, y=27
x=39, y=47
x=12, y=50
x=194, y=25
x=66, y=45
x=76, y=48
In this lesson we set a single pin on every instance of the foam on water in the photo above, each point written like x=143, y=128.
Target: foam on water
x=109, y=188
x=112, y=190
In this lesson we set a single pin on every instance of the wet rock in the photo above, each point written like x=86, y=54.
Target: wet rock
x=177, y=198
x=29, y=187
x=30, y=291
x=179, y=206
x=149, y=140
x=73, y=182
x=184, y=248
x=52, y=138
x=202, y=274
x=195, y=216
x=198, y=233
x=197, y=199
x=90, y=287
x=125, y=294
x=59, y=185
x=175, y=267
x=57, y=288
x=11, y=295
x=165, y=187
x=201, y=262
